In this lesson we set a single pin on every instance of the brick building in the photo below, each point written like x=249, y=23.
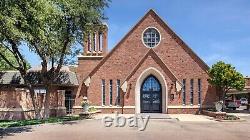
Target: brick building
x=151, y=70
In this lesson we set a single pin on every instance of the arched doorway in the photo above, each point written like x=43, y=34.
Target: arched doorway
x=151, y=95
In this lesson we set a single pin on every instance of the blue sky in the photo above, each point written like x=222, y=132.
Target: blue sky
x=215, y=29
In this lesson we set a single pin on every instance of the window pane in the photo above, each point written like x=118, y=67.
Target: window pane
x=118, y=98
x=184, y=91
x=110, y=92
x=151, y=37
x=191, y=91
x=199, y=91
x=103, y=92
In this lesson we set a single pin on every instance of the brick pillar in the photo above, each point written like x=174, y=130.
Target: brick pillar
x=105, y=41
x=85, y=43
x=97, y=41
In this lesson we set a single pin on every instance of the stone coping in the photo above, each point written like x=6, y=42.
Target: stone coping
x=24, y=109
x=133, y=107
x=105, y=107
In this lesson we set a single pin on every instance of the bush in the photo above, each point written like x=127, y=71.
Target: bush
x=92, y=109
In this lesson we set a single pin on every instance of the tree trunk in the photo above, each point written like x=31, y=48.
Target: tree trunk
x=223, y=100
x=36, y=109
x=47, y=103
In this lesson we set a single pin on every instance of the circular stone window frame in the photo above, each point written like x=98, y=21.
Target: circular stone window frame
x=143, y=34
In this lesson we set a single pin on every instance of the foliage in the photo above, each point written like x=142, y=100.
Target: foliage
x=13, y=123
x=5, y=66
x=50, y=28
x=92, y=109
x=85, y=102
x=226, y=77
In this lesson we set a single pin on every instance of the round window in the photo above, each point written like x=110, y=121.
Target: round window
x=151, y=37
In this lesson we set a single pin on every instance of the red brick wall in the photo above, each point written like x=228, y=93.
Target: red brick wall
x=15, y=103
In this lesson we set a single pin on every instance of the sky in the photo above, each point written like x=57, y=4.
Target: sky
x=215, y=29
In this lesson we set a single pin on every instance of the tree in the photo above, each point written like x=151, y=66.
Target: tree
x=225, y=77
x=49, y=28
x=5, y=66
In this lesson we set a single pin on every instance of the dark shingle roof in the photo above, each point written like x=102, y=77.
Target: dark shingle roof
x=14, y=77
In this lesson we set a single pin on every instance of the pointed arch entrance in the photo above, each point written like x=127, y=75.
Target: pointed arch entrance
x=151, y=95
x=158, y=90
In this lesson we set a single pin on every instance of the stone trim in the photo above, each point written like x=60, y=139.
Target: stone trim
x=143, y=34
x=87, y=81
x=188, y=106
x=105, y=107
x=24, y=109
x=139, y=82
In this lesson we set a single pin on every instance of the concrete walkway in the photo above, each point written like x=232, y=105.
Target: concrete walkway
x=191, y=118
x=156, y=129
x=177, y=117
x=240, y=114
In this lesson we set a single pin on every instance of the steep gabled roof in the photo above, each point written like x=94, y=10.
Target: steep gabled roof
x=166, y=27
x=158, y=60
x=193, y=55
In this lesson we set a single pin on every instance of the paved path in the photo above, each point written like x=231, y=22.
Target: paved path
x=156, y=129
x=178, y=117
x=192, y=118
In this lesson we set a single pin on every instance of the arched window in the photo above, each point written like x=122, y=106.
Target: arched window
x=151, y=84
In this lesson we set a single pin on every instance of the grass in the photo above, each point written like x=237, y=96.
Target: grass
x=18, y=123
x=231, y=117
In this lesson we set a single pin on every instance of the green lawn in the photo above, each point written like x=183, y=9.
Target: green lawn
x=17, y=123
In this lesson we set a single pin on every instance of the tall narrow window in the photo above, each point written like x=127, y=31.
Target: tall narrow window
x=89, y=43
x=103, y=92
x=110, y=92
x=184, y=91
x=100, y=42
x=192, y=91
x=94, y=42
x=118, y=96
x=199, y=91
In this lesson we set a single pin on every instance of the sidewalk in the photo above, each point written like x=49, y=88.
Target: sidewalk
x=178, y=117
x=191, y=118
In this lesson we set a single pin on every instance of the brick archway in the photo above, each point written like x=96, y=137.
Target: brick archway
x=141, y=78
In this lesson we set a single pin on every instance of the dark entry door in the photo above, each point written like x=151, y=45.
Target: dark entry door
x=68, y=102
x=151, y=96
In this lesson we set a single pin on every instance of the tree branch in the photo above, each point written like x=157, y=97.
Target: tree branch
x=65, y=45
x=60, y=62
x=38, y=51
x=7, y=61
x=18, y=56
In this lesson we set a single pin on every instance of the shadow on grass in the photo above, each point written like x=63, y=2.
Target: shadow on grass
x=10, y=127
x=13, y=130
